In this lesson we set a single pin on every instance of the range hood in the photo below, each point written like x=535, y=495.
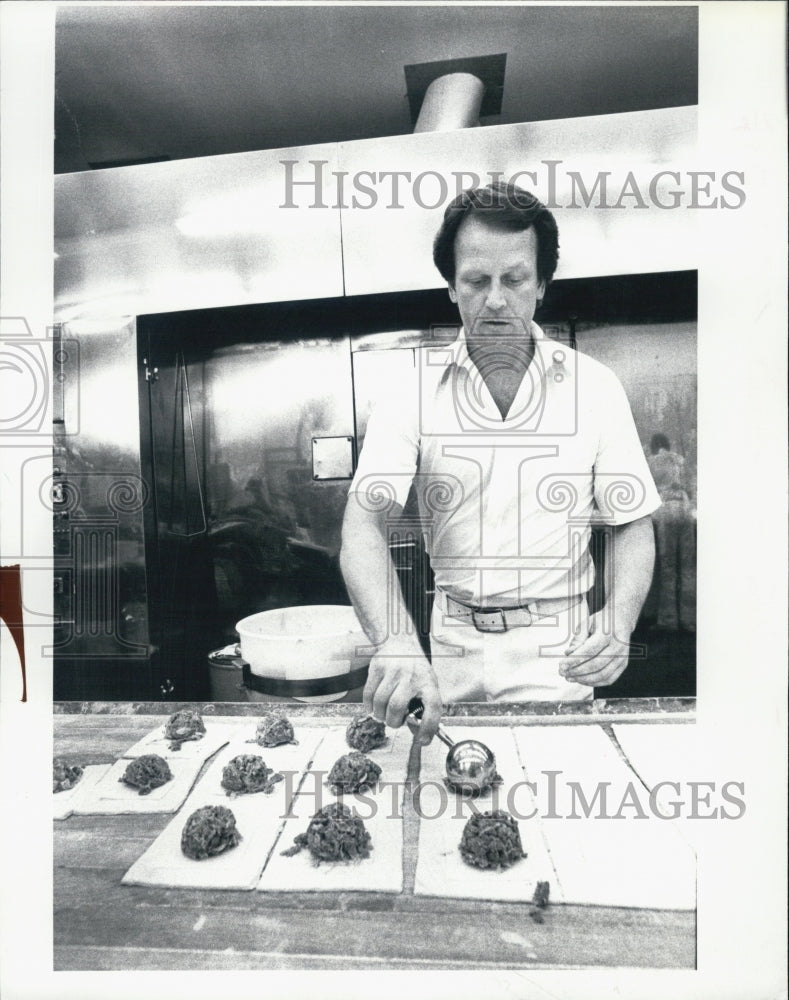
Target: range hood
x=358, y=218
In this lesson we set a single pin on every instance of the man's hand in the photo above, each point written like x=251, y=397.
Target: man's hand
x=399, y=671
x=598, y=658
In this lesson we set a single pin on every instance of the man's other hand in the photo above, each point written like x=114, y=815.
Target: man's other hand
x=399, y=671
x=598, y=658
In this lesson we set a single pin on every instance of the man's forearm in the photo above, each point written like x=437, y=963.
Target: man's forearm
x=632, y=561
x=371, y=578
x=399, y=670
x=601, y=656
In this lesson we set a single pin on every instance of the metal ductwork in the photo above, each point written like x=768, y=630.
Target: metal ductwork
x=451, y=101
x=453, y=93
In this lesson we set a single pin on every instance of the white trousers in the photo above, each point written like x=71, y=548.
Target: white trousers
x=521, y=664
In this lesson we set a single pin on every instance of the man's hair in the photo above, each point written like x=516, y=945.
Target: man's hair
x=659, y=441
x=502, y=206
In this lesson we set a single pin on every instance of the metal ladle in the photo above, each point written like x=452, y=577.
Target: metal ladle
x=471, y=766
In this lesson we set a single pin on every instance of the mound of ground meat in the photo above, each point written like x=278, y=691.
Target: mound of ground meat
x=353, y=772
x=248, y=773
x=187, y=724
x=64, y=776
x=146, y=773
x=365, y=733
x=539, y=901
x=273, y=730
x=491, y=840
x=209, y=831
x=334, y=834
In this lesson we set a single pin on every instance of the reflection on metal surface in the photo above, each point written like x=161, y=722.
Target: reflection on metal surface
x=265, y=226
x=194, y=233
x=186, y=511
x=267, y=403
x=98, y=496
x=663, y=399
x=597, y=238
x=374, y=371
x=434, y=335
x=238, y=506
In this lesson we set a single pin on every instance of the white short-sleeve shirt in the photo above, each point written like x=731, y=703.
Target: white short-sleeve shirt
x=506, y=504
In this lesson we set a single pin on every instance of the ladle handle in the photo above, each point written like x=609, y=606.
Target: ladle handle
x=416, y=710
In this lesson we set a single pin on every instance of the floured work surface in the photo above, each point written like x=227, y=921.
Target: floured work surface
x=607, y=846
x=215, y=736
x=64, y=803
x=110, y=795
x=381, y=810
x=665, y=757
x=663, y=752
x=100, y=924
x=441, y=870
x=259, y=819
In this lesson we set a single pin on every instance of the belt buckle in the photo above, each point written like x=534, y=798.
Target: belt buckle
x=489, y=621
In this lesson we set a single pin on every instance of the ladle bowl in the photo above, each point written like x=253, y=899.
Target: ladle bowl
x=470, y=765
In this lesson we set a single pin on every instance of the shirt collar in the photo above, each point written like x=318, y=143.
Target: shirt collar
x=552, y=353
x=461, y=346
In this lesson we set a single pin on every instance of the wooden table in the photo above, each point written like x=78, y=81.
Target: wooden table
x=101, y=925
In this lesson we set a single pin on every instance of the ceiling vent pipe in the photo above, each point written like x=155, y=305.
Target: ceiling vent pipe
x=455, y=93
x=451, y=101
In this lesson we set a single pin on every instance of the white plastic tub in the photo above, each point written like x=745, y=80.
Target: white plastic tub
x=305, y=643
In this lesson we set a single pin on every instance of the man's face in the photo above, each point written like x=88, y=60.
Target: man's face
x=496, y=286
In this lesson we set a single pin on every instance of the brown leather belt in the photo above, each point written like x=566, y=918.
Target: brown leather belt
x=493, y=619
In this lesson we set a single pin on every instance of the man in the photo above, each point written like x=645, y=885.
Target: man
x=514, y=444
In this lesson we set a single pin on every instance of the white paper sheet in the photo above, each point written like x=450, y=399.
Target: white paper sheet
x=380, y=809
x=661, y=751
x=291, y=760
x=259, y=819
x=621, y=854
x=216, y=735
x=111, y=796
x=666, y=752
x=63, y=803
x=441, y=870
